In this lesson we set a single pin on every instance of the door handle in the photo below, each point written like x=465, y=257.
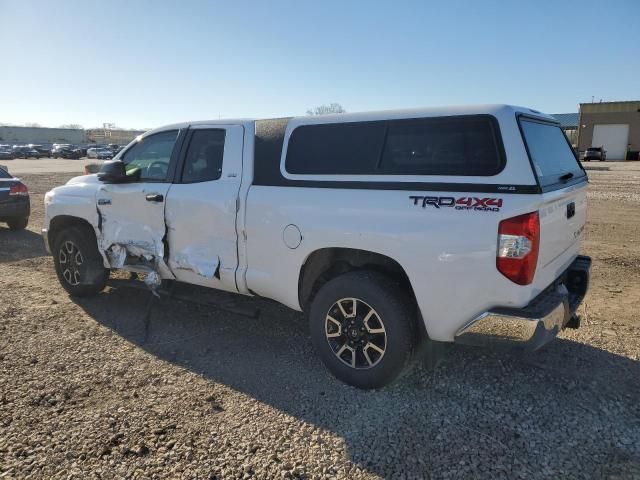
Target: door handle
x=154, y=197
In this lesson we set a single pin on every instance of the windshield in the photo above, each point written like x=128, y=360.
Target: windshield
x=550, y=152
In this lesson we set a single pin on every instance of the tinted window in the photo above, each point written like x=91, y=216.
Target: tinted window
x=341, y=148
x=550, y=152
x=204, y=156
x=4, y=174
x=151, y=156
x=440, y=146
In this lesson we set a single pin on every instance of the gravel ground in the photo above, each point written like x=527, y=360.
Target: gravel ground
x=86, y=391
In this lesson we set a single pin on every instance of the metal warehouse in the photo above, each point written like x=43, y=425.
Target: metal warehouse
x=612, y=125
x=39, y=135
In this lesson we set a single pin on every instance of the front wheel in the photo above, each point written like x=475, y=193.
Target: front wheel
x=78, y=262
x=363, y=327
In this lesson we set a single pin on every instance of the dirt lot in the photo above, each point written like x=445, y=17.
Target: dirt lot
x=85, y=392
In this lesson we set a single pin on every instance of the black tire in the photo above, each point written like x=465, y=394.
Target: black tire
x=394, y=311
x=80, y=276
x=18, y=223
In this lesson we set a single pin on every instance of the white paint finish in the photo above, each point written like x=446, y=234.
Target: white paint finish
x=129, y=220
x=448, y=254
x=201, y=220
x=613, y=137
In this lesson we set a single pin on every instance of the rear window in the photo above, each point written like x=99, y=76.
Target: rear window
x=468, y=145
x=550, y=152
x=4, y=173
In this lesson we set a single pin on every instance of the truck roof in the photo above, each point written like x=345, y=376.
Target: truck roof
x=491, y=109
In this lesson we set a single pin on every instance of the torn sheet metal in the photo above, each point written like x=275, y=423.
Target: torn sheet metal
x=117, y=255
x=197, y=260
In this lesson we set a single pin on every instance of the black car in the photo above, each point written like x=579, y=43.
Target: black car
x=23, y=151
x=71, y=153
x=66, y=151
x=15, y=206
x=6, y=154
x=42, y=150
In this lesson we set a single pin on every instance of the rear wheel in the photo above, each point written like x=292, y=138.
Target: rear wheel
x=18, y=223
x=78, y=263
x=363, y=327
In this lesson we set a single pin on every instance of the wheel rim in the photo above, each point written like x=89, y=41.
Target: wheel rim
x=70, y=259
x=356, y=334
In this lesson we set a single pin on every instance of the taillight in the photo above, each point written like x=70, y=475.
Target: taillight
x=20, y=189
x=518, y=245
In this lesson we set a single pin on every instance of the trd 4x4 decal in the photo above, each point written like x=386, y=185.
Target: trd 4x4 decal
x=486, y=204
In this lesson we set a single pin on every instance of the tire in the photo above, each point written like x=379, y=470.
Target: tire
x=394, y=312
x=84, y=275
x=18, y=223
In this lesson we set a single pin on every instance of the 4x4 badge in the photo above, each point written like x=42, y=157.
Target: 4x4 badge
x=486, y=204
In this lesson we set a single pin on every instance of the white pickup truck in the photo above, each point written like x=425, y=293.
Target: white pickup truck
x=386, y=228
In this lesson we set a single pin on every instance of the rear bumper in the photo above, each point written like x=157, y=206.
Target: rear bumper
x=20, y=208
x=539, y=322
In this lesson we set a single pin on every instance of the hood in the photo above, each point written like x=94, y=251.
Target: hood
x=84, y=186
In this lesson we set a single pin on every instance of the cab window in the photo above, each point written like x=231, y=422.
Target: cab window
x=149, y=158
x=203, y=161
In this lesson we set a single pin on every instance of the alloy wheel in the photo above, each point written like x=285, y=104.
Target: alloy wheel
x=70, y=260
x=356, y=334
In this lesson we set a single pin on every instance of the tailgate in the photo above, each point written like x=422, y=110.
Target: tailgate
x=562, y=219
x=563, y=211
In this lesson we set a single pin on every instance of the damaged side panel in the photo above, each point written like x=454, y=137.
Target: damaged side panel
x=132, y=230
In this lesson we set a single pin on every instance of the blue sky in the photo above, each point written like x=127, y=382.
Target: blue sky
x=146, y=63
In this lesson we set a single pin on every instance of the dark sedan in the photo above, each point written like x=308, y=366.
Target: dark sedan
x=6, y=154
x=25, y=152
x=72, y=153
x=15, y=206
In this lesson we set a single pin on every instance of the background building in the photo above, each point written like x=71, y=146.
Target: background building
x=569, y=123
x=612, y=125
x=111, y=135
x=39, y=135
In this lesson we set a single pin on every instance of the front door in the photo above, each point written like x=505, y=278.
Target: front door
x=132, y=214
x=201, y=207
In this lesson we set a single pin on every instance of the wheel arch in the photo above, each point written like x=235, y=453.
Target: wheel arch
x=322, y=265
x=61, y=222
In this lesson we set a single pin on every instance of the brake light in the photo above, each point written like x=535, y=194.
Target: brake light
x=518, y=245
x=19, y=190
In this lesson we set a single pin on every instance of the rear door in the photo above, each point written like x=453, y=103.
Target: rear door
x=201, y=207
x=563, y=212
x=132, y=214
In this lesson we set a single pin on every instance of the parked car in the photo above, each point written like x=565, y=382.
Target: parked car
x=6, y=154
x=66, y=151
x=595, y=153
x=23, y=151
x=100, y=153
x=15, y=206
x=42, y=150
x=454, y=225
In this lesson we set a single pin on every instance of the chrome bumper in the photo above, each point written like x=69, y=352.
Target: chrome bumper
x=539, y=322
x=45, y=239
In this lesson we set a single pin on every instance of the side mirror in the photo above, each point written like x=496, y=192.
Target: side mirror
x=113, y=172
